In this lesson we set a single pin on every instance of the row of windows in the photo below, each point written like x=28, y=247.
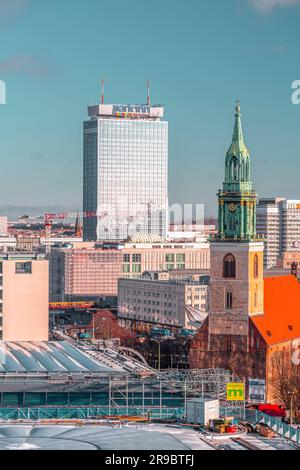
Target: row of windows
x=136, y=258
x=135, y=268
x=138, y=301
x=149, y=294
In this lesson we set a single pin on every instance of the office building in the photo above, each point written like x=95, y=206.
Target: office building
x=84, y=274
x=278, y=222
x=160, y=301
x=290, y=225
x=24, y=297
x=268, y=226
x=125, y=171
x=91, y=271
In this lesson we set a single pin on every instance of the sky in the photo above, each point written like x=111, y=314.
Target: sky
x=200, y=57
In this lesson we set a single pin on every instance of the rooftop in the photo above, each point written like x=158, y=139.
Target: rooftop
x=281, y=319
x=65, y=357
x=46, y=357
x=101, y=437
x=126, y=111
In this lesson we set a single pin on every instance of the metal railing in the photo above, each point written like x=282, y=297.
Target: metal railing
x=283, y=429
x=45, y=413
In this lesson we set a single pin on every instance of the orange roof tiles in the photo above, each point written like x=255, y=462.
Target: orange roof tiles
x=281, y=319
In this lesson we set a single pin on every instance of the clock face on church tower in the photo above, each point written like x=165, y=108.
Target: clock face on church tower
x=232, y=207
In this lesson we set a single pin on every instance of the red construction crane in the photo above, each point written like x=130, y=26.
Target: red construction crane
x=49, y=217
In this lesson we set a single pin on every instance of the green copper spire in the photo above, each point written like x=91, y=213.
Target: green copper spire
x=237, y=200
x=238, y=146
x=237, y=164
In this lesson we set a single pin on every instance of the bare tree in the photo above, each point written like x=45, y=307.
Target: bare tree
x=285, y=380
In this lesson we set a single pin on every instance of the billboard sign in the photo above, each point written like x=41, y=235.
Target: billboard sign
x=235, y=391
x=257, y=390
x=131, y=108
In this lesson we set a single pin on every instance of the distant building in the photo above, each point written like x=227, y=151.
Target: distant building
x=188, y=236
x=196, y=229
x=147, y=256
x=3, y=226
x=61, y=240
x=28, y=243
x=290, y=225
x=84, y=274
x=286, y=260
x=278, y=221
x=161, y=301
x=8, y=243
x=125, y=171
x=268, y=226
x=93, y=272
x=28, y=221
x=24, y=297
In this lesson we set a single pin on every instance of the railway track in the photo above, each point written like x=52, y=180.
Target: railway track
x=246, y=444
x=209, y=443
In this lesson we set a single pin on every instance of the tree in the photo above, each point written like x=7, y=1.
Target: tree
x=285, y=380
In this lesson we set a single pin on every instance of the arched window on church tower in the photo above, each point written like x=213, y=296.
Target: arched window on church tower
x=229, y=266
x=234, y=169
x=255, y=266
x=242, y=170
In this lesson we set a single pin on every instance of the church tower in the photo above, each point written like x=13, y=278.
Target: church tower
x=236, y=289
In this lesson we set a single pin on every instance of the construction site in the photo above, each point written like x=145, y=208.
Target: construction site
x=75, y=395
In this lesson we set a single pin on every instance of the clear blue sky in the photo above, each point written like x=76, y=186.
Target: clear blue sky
x=200, y=56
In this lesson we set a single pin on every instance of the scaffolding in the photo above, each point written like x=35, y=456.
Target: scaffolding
x=162, y=395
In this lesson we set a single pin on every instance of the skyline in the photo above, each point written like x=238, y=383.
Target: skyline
x=51, y=80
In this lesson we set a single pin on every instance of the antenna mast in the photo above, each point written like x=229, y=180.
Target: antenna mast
x=148, y=92
x=102, y=90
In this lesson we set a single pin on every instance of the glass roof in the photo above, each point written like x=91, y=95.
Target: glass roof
x=55, y=357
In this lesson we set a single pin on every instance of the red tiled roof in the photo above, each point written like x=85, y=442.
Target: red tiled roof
x=281, y=319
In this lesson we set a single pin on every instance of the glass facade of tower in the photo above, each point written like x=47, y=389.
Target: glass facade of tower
x=125, y=177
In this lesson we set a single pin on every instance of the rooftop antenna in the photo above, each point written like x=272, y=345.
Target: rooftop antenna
x=148, y=92
x=102, y=90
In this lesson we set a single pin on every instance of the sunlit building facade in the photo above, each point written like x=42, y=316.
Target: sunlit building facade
x=24, y=297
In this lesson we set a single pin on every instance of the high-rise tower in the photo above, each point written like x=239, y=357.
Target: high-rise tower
x=125, y=171
x=236, y=253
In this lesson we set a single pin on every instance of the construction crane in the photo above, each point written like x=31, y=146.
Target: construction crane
x=48, y=221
